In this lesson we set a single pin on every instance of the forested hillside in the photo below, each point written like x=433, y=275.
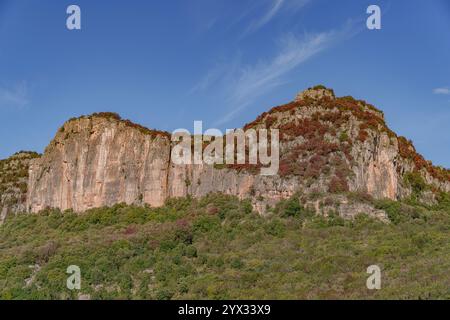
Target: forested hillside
x=216, y=247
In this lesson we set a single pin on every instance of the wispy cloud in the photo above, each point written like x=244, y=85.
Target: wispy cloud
x=211, y=77
x=15, y=96
x=243, y=84
x=271, y=10
x=443, y=90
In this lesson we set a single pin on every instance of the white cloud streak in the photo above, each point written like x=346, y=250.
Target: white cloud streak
x=275, y=7
x=243, y=84
x=15, y=96
x=441, y=91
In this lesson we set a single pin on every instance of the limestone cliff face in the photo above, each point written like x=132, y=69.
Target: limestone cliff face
x=375, y=169
x=328, y=145
x=98, y=161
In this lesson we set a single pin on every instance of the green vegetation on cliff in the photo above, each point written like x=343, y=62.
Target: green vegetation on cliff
x=217, y=248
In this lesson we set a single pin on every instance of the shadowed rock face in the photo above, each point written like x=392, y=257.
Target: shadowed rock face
x=13, y=183
x=100, y=161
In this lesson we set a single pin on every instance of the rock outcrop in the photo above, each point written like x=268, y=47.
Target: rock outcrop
x=327, y=145
x=14, y=182
x=100, y=161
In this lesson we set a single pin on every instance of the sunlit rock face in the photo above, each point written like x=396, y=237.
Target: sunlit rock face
x=94, y=162
x=97, y=161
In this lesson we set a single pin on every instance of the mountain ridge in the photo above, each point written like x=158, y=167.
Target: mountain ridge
x=328, y=145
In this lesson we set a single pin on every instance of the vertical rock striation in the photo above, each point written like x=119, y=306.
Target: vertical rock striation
x=97, y=161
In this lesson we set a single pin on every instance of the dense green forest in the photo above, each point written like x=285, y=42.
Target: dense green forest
x=218, y=248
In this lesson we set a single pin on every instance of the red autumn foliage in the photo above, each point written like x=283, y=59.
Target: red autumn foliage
x=337, y=185
x=130, y=230
x=270, y=120
x=362, y=135
x=406, y=150
x=285, y=168
x=338, y=113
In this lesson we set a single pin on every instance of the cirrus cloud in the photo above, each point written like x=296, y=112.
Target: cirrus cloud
x=443, y=90
x=15, y=96
x=241, y=85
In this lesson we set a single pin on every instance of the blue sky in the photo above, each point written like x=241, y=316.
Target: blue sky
x=164, y=64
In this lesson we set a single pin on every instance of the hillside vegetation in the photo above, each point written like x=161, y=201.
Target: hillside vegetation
x=217, y=248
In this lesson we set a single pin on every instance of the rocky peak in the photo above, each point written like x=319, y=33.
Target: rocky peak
x=316, y=93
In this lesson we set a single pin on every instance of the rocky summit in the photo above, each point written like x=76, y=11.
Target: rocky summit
x=330, y=147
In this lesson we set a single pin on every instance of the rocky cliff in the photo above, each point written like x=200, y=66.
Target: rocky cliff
x=100, y=160
x=14, y=182
x=328, y=146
